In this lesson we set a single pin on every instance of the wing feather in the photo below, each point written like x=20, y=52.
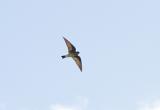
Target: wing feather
x=69, y=45
x=78, y=61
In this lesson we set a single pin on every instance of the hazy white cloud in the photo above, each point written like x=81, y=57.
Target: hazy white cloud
x=155, y=105
x=62, y=107
x=81, y=104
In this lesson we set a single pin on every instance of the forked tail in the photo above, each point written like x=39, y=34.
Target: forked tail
x=63, y=56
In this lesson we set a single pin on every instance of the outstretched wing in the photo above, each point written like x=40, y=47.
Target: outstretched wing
x=69, y=45
x=78, y=61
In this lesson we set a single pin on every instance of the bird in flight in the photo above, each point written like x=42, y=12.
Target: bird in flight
x=72, y=53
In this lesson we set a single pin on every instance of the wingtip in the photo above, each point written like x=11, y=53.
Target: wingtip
x=81, y=69
x=63, y=37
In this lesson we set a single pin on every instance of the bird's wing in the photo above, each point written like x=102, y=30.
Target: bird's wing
x=69, y=45
x=78, y=61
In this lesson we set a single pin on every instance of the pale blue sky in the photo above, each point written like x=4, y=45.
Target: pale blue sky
x=118, y=40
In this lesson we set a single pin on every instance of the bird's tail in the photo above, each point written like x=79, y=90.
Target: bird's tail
x=63, y=56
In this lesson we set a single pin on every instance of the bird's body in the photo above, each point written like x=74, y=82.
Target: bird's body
x=73, y=54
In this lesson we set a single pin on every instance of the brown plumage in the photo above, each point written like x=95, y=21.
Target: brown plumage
x=73, y=53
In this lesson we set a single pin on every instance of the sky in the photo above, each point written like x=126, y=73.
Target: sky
x=119, y=46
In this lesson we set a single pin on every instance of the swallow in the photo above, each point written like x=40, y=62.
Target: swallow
x=73, y=53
